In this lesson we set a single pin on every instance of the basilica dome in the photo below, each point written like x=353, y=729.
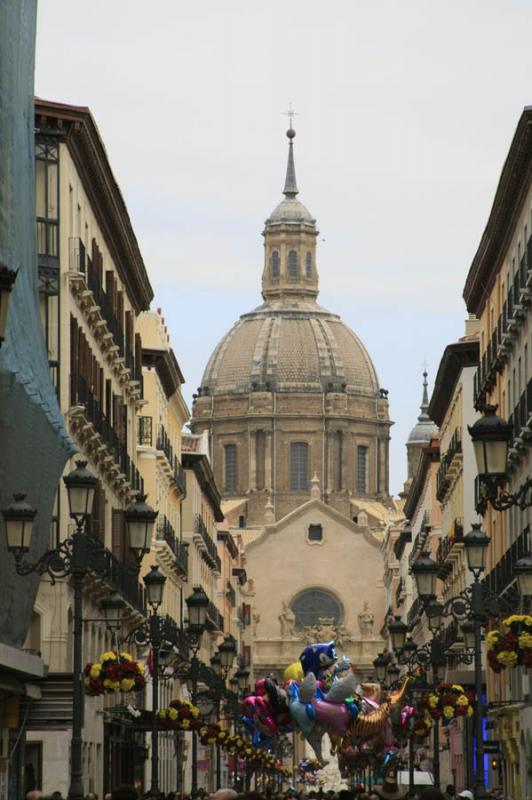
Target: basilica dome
x=290, y=393
x=290, y=346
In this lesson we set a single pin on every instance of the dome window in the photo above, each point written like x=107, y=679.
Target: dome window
x=314, y=603
x=230, y=467
x=274, y=264
x=292, y=264
x=362, y=470
x=299, y=467
x=308, y=264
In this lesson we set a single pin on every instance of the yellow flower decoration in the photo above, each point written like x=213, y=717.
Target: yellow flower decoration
x=185, y=723
x=470, y=711
x=457, y=687
x=525, y=640
x=492, y=638
x=126, y=656
x=195, y=711
x=140, y=667
x=95, y=670
x=508, y=658
x=202, y=731
x=433, y=700
x=107, y=683
x=126, y=684
x=162, y=713
x=109, y=655
x=463, y=700
x=448, y=712
x=172, y=713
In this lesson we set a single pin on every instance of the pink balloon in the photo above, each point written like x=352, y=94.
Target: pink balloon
x=334, y=717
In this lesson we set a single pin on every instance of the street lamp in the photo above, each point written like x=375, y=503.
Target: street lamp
x=434, y=613
x=397, y=630
x=197, y=604
x=81, y=485
x=216, y=664
x=476, y=545
x=491, y=436
x=77, y=556
x=154, y=582
x=140, y=519
x=523, y=573
x=242, y=676
x=425, y=571
x=19, y=517
x=380, y=663
x=7, y=279
x=468, y=631
x=112, y=608
x=393, y=672
x=227, y=652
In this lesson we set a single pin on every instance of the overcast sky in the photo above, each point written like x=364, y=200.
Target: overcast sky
x=406, y=109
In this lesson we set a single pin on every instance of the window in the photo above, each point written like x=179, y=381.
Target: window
x=292, y=264
x=362, y=470
x=315, y=533
x=230, y=467
x=311, y=605
x=274, y=264
x=299, y=466
x=308, y=259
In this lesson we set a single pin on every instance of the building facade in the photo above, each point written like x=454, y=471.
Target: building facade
x=92, y=287
x=497, y=292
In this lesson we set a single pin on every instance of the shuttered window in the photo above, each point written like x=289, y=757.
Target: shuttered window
x=292, y=264
x=299, y=466
x=230, y=467
x=362, y=470
x=275, y=264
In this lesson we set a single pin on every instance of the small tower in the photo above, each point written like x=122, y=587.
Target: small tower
x=290, y=244
x=421, y=433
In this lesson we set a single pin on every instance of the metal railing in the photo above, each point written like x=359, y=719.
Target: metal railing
x=166, y=532
x=447, y=461
x=503, y=573
x=211, y=555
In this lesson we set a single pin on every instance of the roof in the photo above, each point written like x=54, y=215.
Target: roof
x=200, y=464
x=167, y=368
x=379, y=510
x=456, y=356
x=76, y=125
x=512, y=188
x=430, y=454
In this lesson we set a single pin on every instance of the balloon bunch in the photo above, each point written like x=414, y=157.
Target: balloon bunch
x=309, y=765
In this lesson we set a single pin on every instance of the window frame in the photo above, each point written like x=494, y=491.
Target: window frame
x=299, y=483
x=293, y=268
x=308, y=264
x=231, y=485
x=362, y=448
x=275, y=265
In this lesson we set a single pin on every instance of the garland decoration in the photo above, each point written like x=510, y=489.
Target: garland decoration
x=114, y=672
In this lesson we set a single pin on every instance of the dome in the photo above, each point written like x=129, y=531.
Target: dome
x=290, y=211
x=296, y=346
x=424, y=429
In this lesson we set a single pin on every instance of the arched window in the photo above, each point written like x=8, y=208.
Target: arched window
x=230, y=467
x=311, y=605
x=308, y=264
x=274, y=263
x=362, y=470
x=299, y=466
x=292, y=264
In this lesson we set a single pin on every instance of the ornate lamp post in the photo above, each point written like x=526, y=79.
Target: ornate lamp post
x=197, y=604
x=76, y=556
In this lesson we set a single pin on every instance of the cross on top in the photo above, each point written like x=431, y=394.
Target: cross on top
x=290, y=113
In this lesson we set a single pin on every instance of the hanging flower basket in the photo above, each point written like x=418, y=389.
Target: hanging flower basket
x=181, y=715
x=114, y=672
x=511, y=646
x=448, y=701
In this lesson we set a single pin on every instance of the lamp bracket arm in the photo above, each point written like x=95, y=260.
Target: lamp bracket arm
x=57, y=563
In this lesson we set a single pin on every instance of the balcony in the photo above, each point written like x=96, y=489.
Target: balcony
x=215, y=621
x=449, y=549
x=521, y=420
x=513, y=314
x=92, y=299
x=450, y=464
x=414, y=612
x=179, y=478
x=400, y=593
x=166, y=533
x=209, y=552
x=502, y=576
x=144, y=431
x=92, y=427
x=120, y=576
x=420, y=540
x=231, y=594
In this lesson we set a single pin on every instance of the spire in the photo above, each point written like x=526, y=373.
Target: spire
x=290, y=185
x=425, y=400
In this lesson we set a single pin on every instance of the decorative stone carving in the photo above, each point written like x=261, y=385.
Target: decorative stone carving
x=325, y=631
x=365, y=622
x=256, y=620
x=315, y=492
x=287, y=621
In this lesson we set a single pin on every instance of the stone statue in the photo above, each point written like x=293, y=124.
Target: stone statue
x=256, y=620
x=325, y=631
x=287, y=620
x=365, y=621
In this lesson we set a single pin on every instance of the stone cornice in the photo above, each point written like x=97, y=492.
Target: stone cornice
x=431, y=453
x=88, y=154
x=165, y=362
x=512, y=188
x=455, y=358
x=199, y=463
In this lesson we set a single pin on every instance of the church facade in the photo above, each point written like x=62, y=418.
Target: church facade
x=299, y=430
